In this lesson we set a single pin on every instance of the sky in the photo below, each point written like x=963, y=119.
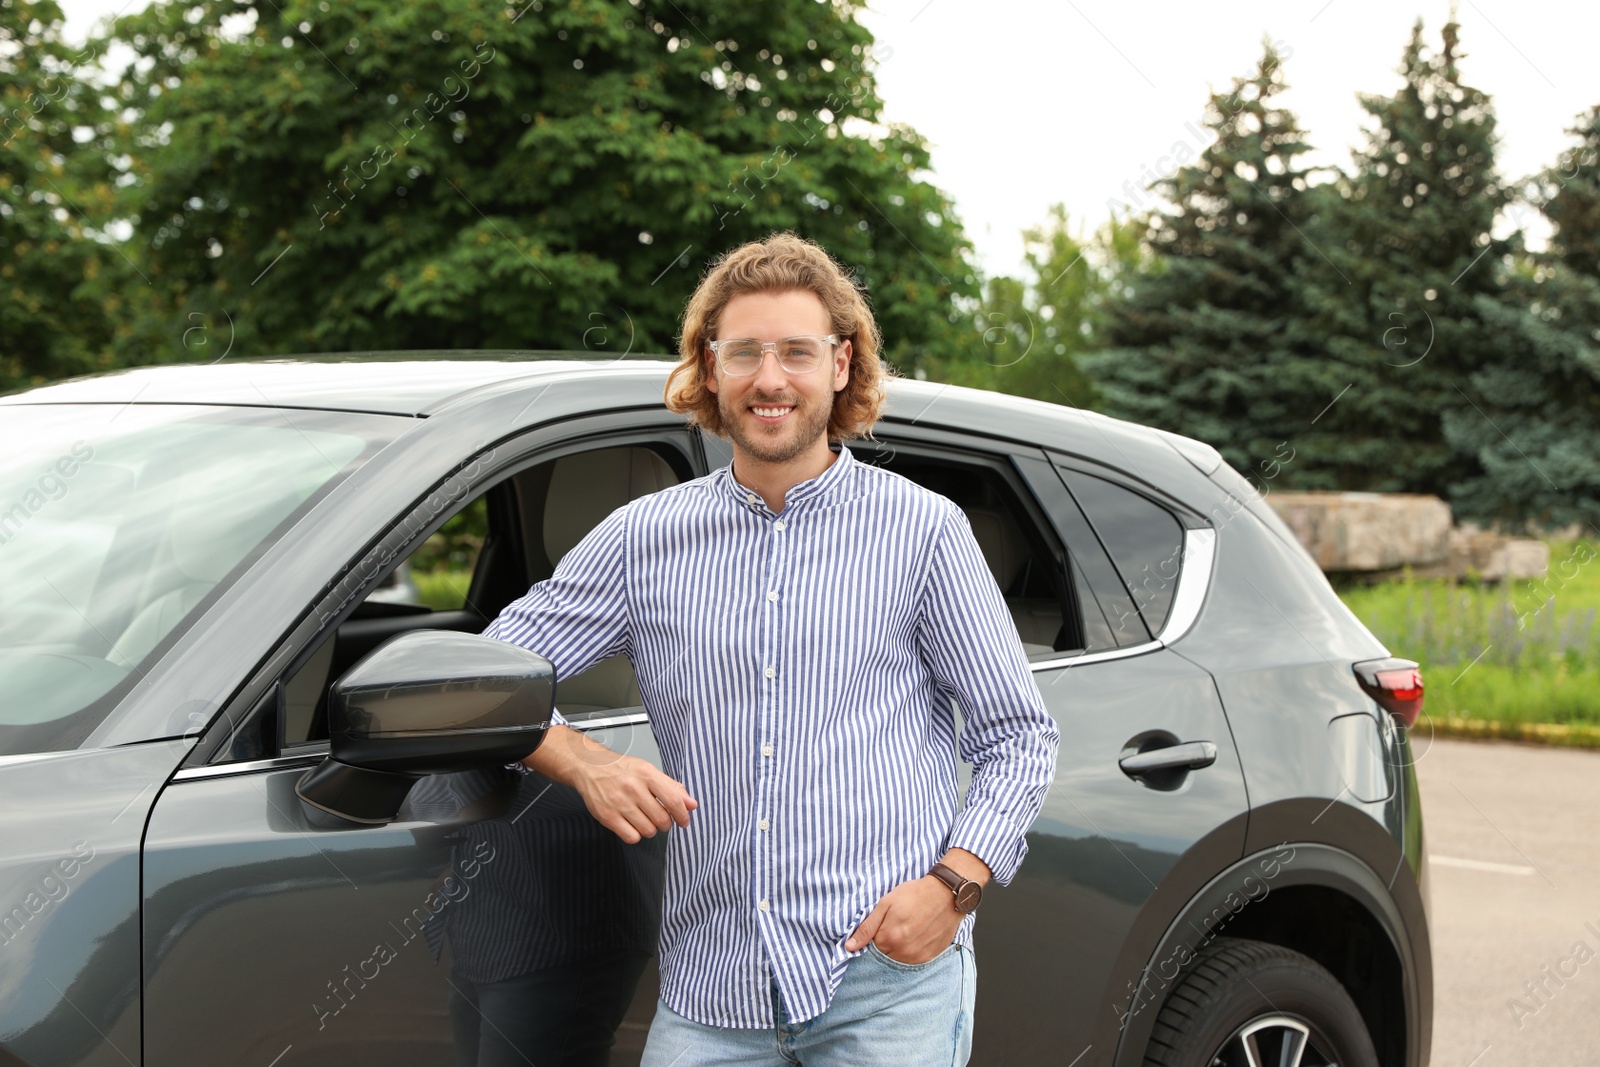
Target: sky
x=1037, y=103
x=1029, y=103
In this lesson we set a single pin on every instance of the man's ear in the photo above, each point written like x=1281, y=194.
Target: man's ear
x=711, y=372
x=841, y=372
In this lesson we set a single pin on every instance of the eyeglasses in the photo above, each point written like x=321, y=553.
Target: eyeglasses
x=742, y=356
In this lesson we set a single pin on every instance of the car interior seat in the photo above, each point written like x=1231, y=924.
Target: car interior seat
x=1006, y=550
x=584, y=489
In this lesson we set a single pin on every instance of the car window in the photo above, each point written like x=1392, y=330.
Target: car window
x=438, y=573
x=1143, y=539
x=121, y=524
x=428, y=588
x=1109, y=617
x=503, y=539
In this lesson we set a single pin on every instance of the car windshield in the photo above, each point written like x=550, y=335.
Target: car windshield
x=121, y=524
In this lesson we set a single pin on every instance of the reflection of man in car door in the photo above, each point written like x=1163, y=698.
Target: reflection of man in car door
x=549, y=917
x=799, y=624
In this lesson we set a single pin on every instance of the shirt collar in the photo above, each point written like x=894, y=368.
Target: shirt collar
x=829, y=483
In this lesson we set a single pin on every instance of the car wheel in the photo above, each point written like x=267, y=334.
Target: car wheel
x=1248, y=1003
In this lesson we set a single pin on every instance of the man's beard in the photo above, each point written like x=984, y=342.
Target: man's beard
x=810, y=423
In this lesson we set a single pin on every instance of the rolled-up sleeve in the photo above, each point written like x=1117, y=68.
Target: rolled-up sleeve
x=579, y=615
x=967, y=637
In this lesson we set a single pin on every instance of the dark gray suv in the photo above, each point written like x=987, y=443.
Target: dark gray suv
x=257, y=802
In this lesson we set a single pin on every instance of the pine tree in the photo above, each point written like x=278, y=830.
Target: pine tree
x=1569, y=195
x=1205, y=341
x=1409, y=234
x=1536, y=433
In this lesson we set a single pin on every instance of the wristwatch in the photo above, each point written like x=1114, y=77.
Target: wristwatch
x=968, y=893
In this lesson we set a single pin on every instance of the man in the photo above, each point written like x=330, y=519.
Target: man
x=799, y=624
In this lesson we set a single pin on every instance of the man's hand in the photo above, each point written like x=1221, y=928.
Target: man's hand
x=633, y=799
x=917, y=920
x=912, y=923
x=627, y=795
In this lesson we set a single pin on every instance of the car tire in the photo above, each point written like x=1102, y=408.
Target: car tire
x=1240, y=994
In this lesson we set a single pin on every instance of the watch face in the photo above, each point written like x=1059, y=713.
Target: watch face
x=968, y=895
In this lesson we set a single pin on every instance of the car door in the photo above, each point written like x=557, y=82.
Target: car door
x=277, y=934
x=1097, y=578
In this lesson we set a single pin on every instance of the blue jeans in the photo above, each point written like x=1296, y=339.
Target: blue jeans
x=884, y=1014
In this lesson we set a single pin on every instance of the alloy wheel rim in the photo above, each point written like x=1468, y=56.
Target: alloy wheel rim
x=1275, y=1040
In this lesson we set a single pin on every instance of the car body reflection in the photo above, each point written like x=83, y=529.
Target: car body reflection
x=550, y=920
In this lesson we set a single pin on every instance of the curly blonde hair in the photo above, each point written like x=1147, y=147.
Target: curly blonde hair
x=782, y=263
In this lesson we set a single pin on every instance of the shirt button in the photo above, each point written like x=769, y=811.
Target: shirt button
x=751, y=498
x=778, y=525
x=766, y=748
x=771, y=672
x=772, y=595
x=764, y=906
x=762, y=824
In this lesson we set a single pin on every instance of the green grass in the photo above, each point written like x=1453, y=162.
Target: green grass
x=442, y=590
x=1514, y=654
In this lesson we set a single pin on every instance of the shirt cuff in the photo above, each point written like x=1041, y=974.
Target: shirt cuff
x=992, y=839
x=556, y=719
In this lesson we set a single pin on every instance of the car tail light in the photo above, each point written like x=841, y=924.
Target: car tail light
x=1396, y=684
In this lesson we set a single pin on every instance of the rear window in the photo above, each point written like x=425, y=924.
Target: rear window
x=120, y=524
x=1144, y=540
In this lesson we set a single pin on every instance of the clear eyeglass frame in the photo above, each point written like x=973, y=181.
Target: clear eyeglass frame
x=810, y=361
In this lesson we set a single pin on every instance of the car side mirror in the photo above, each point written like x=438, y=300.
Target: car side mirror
x=426, y=702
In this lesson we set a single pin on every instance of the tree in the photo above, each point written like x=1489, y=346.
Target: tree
x=1208, y=340
x=52, y=323
x=1569, y=195
x=468, y=174
x=1033, y=332
x=1538, y=401
x=1409, y=236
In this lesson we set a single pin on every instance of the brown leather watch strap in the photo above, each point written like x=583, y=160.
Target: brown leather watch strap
x=968, y=894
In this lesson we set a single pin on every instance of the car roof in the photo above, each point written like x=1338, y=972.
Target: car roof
x=424, y=382
x=401, y=383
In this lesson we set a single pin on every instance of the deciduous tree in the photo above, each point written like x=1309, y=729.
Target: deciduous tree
x=53, y=201
x=476, y=175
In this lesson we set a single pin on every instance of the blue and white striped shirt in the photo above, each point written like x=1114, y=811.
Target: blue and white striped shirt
x=798, y=669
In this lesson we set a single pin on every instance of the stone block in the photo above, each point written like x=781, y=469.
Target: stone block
x=1368, y=531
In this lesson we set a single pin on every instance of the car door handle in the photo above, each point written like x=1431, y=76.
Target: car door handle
x=1188, y=756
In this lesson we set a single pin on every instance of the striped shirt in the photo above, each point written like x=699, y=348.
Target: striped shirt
x=799, y=670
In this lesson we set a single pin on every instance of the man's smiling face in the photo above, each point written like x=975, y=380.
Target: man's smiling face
x=774, y=416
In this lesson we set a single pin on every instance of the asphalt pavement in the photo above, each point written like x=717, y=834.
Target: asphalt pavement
x=1515, y=862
